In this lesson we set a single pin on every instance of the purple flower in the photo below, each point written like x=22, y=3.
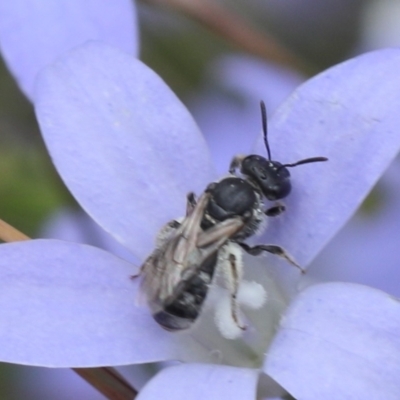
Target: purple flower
x=129, y=151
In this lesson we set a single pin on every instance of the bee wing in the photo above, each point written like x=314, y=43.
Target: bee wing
x=194, y=246
x=163, y=269
x=181, y=256
x=220, y=233
x=190, y=230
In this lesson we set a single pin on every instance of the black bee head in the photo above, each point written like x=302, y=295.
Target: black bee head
x=270, y=177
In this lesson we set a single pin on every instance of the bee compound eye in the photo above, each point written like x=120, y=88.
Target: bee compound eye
x=271, y=177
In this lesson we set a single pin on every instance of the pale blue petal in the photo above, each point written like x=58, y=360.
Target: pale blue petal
x=202, y=381
x=349, y=114
x=33, y=33
x=338, y=341
x=123, y=143
x=366, y=250
x=77, y=226
x=69, y=305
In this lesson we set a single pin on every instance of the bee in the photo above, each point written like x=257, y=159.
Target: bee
x=210, y=237
x=178, y=273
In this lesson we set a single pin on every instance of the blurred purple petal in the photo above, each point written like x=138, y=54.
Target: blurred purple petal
x=350, y=115
x=33, y=33
x=202, y=381
x=124, y=144
x=338, y=341
x=228, y=112
x=69, y=305
x=257, y=79
x=366, y=250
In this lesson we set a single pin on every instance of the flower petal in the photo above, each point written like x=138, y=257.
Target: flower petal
x=202, y=381
x=338, y=341
x=34, y=32
x=76, y=226
x=256, y=79
x=350, y=115
x=229, y=113
x=366, y=250
x=69, y=305
x=124, y=144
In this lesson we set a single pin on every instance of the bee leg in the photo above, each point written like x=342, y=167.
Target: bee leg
x=190, y=203
x=234, y=290
x=270, y=248
x=236, y=163
x=142, y=268
x=134, y=276
x=276, y=210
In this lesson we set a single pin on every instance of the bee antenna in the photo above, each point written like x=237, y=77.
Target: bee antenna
x=305, y=161
x=264, y=126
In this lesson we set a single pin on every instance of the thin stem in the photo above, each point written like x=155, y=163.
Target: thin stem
x=108, y=381
x=10, y=234
x=234, y=29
